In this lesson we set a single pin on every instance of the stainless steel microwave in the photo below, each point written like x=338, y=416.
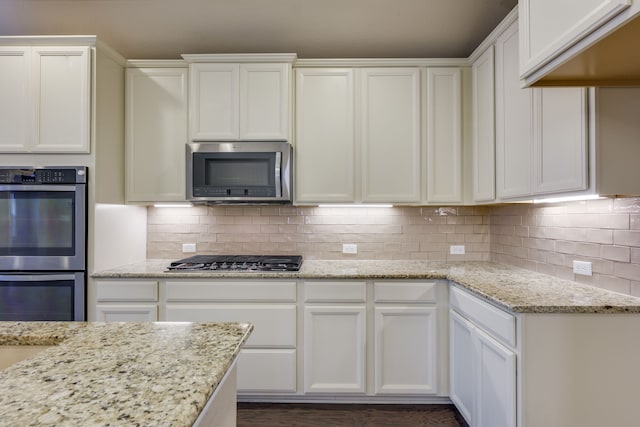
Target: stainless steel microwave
x=239, y=172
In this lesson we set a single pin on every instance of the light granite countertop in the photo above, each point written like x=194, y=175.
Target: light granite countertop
x=515, y=289
x=117, y=374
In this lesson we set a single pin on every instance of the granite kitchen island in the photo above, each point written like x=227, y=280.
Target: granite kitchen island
x=142, y=374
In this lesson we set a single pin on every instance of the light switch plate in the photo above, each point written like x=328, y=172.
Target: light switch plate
x=456, y=249
x=349, y=248
x=583, y=268
x=188, y=247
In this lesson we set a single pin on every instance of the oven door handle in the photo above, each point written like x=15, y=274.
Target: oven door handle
x=39, y=187
x=35, y=277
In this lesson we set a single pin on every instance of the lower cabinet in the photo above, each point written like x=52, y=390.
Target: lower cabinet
x=268, y=362
x=335, y=337
x=482, y=369
x=126, y=301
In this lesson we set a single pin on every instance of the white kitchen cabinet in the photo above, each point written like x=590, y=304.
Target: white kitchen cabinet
x=560, y=149
x=239, y=101
x=444, y=135
x=46, y=99
x=334, y=337
x=390, y=131
x=541, y=134
x=325, y=140
x=484, y=140
x=482, y=366
x=578, y=42
x=155, y=134
x=126, y=300
x=268, y=362
x=405, y=338
x=514, y=127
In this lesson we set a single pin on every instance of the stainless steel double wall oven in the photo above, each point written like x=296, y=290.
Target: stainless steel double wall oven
x=43, y=243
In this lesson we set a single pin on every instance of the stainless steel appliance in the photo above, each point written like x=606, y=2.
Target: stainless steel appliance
x=239, y=172
x=43, y=243
x=242, y=263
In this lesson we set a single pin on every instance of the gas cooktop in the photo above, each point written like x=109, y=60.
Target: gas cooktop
x=224, y=263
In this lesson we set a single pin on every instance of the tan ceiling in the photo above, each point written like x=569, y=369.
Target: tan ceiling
x=163, y=29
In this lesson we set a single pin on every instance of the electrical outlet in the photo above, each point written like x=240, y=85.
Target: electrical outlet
x=456, y=249
x=188, y=247
x=349, y=248
x=583, y=268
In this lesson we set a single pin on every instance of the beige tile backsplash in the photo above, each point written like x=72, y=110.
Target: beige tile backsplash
x=423, y=233
x=544, y=238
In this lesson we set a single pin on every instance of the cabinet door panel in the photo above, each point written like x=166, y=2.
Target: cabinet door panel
x=514, y=131
x=325, y=140
x=264, y=101
x=461, y=368
x=15, y=100
x=496, y=388
x=560, y=151
x=155, y=134
x=334, y=349
x=405, y=350
x=484, y=140
x=444, y=135
x=267, y=370
x=550, y=27
x=213, y=102
x=61, y=93
x=127, y=313
x=390, y=135
x=274, y=324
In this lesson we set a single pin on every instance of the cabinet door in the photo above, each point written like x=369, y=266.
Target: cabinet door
x=390, y=132
x=61, y=88
x=514, y=132
x=264, y=101
x=334, y=349
x=405, y=350
x=155, y=134
x=127, y=313
x=496, y=383
x=263, y=370
x=325, y=141
x=484, y=140
x=15, y=101
x=461, y=365
x=560, y=147
x=549, y=27
x=444, y=140
x=213, y=101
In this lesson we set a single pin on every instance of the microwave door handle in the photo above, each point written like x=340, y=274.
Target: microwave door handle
x=278, y=174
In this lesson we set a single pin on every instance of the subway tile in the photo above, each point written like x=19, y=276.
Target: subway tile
x=627, y=205
x=634, y=222
x=626, y=238
x=627, y=271
x=616, y=253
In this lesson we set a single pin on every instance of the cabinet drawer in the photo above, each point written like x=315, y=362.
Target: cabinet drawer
x=497, y=322
x=127, y=290
x=405, y=292
x=267, y=370
x=274, y=325
x=127, y=313
x=191, y=290
x=335, y=291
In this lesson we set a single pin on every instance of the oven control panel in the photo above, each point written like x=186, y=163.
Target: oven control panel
x=47, y=175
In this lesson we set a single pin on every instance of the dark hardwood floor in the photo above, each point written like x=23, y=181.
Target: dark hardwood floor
x=346, y=415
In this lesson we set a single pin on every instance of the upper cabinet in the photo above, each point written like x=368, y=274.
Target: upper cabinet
x=45, y=103
x=239, y=97
x=378, y=135
x=541, y=134
x=579, y=42
x=390, y=135
x=155, y=133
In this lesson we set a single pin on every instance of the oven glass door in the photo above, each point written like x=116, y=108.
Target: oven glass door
x=42, y=297
x=42, y=227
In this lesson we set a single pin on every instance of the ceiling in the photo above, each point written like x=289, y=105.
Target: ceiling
x=164, y=29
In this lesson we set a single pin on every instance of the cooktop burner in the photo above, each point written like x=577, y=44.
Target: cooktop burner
x=238, y=263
